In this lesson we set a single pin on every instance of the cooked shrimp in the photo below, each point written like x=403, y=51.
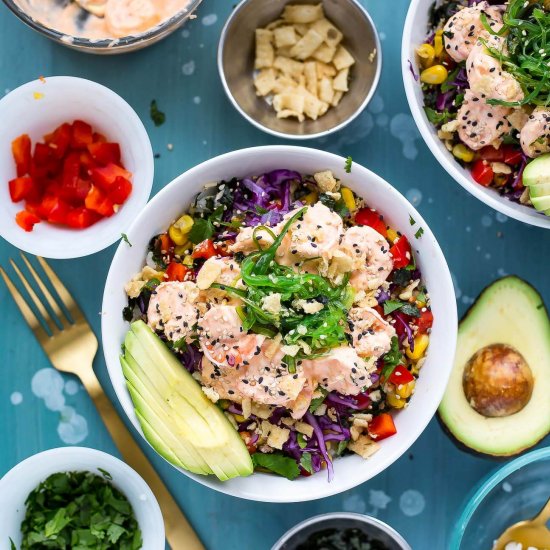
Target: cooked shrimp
x=173, y=310
x=245, y=241
x=463, y=29
x=487, y=77
x=482, y=124
x=370, y=332
x=535, y=135
x=341, y=370
x=223, y=340
x=371, y=258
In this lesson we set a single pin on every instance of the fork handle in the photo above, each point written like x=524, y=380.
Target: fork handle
x=179, y=533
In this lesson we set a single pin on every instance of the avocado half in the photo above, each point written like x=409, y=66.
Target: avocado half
x=497, y=402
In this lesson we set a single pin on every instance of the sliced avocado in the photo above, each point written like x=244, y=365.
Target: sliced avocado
x=539, y=190
x=497, y=401
x=192, y=414
x=537, y=171
x=540, y=203
x=151, y=410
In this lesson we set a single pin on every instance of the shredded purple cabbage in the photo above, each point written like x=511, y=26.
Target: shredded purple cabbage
x=411, y=68
x=310, y=419
x=398, y=317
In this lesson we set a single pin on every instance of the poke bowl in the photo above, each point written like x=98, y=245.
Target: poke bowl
x=285, y=367
x=473, y=105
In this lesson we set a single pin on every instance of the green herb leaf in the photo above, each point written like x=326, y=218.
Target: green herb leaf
x=438, y=118
x=401, y=277
x=277, y=463
x=302, y=443
x=318, y=401
x=406, y=307
x=347, y=165
x=125, y=239
x=419, y=233
x=392, y=358
x=342, y=446
x=305, y=462
x=411, y=220
x=12, y=545
x=157, y=116
x=202, y=229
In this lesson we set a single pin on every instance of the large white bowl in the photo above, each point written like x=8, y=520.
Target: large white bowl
x=176, y=197
x=414, y=34
x=37, y=108
x=16, y=485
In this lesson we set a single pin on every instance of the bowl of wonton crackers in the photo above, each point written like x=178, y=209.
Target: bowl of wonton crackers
x=299, y=70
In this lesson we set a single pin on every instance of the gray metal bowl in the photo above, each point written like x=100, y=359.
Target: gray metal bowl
x=342, y=520
x=236, y=65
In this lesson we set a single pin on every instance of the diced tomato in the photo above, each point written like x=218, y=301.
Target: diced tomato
x=205, y=250
x=105, y=176
x=82, y=135
x=401, y=253
x=369, y=217
x=482, y=172
x=509, y=154
x=425, y=321
x=176, y=272
x=21, y=150
x=512, y=155
x=80, y=218
x=59, y=140
x=97, y=201
x=382, y=426
x=379, y=309
x=120, y=191
x=20, y=188
x=104, y=153
x=26, y=220
x=247, y=438
x=490, y=154
x=363, y=400
x=401, y=375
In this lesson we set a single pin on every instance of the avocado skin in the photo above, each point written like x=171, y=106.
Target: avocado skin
x=460, y=445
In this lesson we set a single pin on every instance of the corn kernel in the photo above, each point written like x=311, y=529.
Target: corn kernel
x=461, y=152
x=405, y=390
x=188, y=259
x=395, y=401
x=392, y=235
x=420, y=344
x=184, y=223
x=500, y=179
x=438, y=43
x=348, y=197
x=180, y=228
x=426, y=54
x=434, y=75
x=239, y=418
x=177, y=236
x=311, y=198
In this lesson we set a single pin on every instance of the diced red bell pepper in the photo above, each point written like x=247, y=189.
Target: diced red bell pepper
x=104, y=153
x=490, y=154
x=204, y=250
x=120, y=191
x=97, y=201
x=379, y=309
x=482, y=172
x=81, y=135
x=176, y=272
x=363, y=400
x=87, y=163
x=105, y=176
x=382, y=426
x=75, y=191
x=165, y=243
x=80, y=218
x=425, y=321
x=99, y=138
x=21, y=150
x=401, y=253
x=401, y=375
x=509, y=154
x=59, y=140
x=512, y=155
x=20, y=188
x=369, y=217
x=54, y=209
x=26, y=220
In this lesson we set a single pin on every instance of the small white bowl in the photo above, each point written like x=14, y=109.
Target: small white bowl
x=37, y=108
x=21, y=480
x=167, y=205
x=414, y=34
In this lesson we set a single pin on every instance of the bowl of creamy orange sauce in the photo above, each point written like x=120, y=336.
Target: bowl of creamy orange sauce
x=104, y=26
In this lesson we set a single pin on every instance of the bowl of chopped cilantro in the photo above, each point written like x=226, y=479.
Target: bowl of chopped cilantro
x=76, y=497
x=288, y=323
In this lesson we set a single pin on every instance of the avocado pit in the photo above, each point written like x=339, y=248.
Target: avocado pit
x=497, y=381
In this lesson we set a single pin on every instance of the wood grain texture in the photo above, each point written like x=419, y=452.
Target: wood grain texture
x=477, y=245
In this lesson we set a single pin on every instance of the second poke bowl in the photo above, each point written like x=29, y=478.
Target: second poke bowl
x=476, y=85
x=288, y=324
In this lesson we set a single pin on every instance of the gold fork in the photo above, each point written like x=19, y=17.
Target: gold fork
x=71, y=347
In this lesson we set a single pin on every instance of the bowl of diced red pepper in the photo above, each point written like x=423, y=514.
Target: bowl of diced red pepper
x=76, y=166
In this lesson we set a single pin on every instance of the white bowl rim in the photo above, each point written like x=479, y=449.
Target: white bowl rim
x=147, y=168
x=58, y=455
x=503, y=205
x=301, y=137
x=450, y=322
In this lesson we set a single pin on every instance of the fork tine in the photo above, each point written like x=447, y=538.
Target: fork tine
x=26, y=311
x=63, y=293
x=36, y=300
x=51, y=300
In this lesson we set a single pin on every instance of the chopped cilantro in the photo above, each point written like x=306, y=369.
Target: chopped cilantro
x=438, y=117
x=305, y=462
x=125, y=239
x=277, y=463
x=157, y=116
x=342, y=446
x=318, y=401
x=391, y=359
x=412, y=221
x=347, y=165
x=302, y=443
x=406, y=307
x=419, y=233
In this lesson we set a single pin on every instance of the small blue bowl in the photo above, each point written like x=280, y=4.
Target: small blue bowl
x=513, y=493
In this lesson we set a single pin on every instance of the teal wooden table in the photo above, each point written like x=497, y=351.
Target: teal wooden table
x=422, y=493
